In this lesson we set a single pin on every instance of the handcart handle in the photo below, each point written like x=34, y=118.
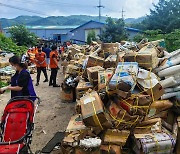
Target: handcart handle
x=26, y=97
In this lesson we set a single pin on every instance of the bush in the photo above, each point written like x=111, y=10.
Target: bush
x=172, y=39
x=8, y=45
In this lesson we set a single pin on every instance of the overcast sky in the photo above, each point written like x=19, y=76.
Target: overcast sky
x=132, y=8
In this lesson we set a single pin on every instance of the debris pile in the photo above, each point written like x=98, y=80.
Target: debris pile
x=5, y=70
x=127, y=97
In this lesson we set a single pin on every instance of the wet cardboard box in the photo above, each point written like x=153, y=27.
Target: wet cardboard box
x=154, y=143
x=124, y=77
x=147, y=57
x=82, y=88
x=116, y=137
x=110, y=47
x=111, y=149
x=95, y=61
x=66, y=96
x=111, y=61
x=92, y=73
x=104, y=78
x=93, y=111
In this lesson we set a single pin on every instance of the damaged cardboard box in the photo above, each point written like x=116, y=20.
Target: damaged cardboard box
x=104, y=78
x=157, y=107
x=67, y=95
x=148, y=126
x=146, y=57
x=121, y=118
x=110, y=47
x=72, y=69
x=125, y=76
x=82, y=88
x=136, y=104
x=110, y=149
x=111, y=61
x=116, y=137
x=75, y=124
x=161, y=143
x=79, y=150
x=93, y=111
x=95, y=61
x=93, y=74
x=150, y=84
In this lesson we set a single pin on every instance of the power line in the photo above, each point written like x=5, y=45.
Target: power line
x=23, y=9
x=54, y=3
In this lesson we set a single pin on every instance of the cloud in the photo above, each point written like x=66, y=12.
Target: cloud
x=133, y=8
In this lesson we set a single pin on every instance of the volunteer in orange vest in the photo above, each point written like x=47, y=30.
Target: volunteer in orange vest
x=40, y=59
x=54, y=58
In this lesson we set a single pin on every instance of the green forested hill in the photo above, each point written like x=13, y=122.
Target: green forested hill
x=54, y=20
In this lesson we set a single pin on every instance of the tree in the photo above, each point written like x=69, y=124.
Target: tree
x=114, y=31
x=22, y=36
x=8, y=45
x=172, y=39
x=91, y=37
x=165, y=16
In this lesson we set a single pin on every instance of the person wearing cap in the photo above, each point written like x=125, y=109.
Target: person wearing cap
x=40, y=60
x=54, y=58
x=21, y=82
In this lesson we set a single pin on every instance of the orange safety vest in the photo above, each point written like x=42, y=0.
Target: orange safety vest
x=41, y=59
x=52, y=63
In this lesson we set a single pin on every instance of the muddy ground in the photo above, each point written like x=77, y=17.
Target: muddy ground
x=52, y=115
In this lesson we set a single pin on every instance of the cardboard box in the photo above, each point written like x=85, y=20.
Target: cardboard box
x=79, y=150
x=119, y=93
x=159, y=106
x=82, y=88
x=104, y=78
x=93, y=111
x=156, y=92
x=137, y=104
x=155, y=143
x=150, y=84
x=110, y=149
x=66, y=96
x=111, y=61
x=121, y=56
x=121, y=117
x=93, y=73
x=72, y=69
x=110, y=47
x=147, y=126
x=114, y=136
x=147, y=57
x=75, y=124
x=95, y=61
x=125, y=77
x=65, y=149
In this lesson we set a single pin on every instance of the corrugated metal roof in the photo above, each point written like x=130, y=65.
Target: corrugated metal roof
x=49, y=27
x=52, y=27
x=86, y=24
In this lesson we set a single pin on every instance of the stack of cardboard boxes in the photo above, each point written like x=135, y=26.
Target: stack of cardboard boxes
x=121, y=106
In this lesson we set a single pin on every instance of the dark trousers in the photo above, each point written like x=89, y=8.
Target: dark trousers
x=43, y=69
x=53, y=76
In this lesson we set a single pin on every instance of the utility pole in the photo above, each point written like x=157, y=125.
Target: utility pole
x=123, y=13
x=100, y=6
